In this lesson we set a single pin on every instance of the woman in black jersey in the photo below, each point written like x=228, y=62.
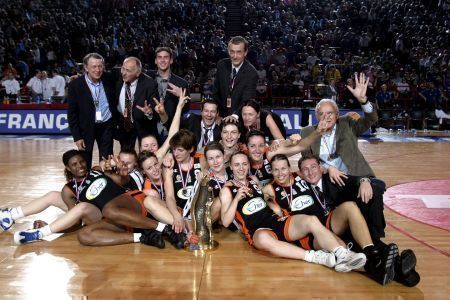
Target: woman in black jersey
x=217, y=172
x=242, y=200
x=181, y=189
x=76, y=172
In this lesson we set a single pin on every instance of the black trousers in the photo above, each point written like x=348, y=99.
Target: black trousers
x=103, y=135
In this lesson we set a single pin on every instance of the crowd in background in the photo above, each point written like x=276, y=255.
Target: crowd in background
x=300, y=48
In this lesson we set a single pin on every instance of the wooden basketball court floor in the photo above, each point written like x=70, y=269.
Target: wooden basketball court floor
x=62, y=269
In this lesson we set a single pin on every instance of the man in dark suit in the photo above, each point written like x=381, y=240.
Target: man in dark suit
x=343, y=214
x=204, y=126
x=91, y=111
x=235, y=80
x=135, y=91
x=169, y=86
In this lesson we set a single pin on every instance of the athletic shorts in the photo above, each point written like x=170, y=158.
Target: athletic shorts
x=139, y=197
x=278, y=229
x=307, y=242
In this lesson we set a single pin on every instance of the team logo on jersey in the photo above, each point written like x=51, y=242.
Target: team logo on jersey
x=301, y=202
x=253, y=206
x=177, y=178
x=96, y=188
x=185, y=193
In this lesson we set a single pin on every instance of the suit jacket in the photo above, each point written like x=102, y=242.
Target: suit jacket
x=335, y=194
x=243, y=90
x=81, y=108
x=170, y=100
x=193, y=122
x=146, y=89
x=347, y=132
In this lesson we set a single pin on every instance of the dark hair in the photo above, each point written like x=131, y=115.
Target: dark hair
x=143, y=156
x=209, y=101
x=65, y=159
x=237, y=153
x=252, y=103
x=236, y=40
x=161, y=49
x=252, y=133
x=130, y=152
x=214, y=145
x=306, y=157
x=234, y=123
x=184, y=139
x=146, y=136
x=92, y=55
x=278, y=157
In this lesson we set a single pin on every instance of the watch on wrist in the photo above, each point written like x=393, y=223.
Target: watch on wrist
x=364, y=179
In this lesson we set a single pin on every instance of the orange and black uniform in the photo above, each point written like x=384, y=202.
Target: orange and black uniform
x=264, y=174
x=98, y=189
x=186, y=178
x=252, y=213
x=216, y=184
x=302, y=201
x=157, y=186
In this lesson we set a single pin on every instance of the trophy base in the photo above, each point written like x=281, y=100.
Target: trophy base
x=201, y=247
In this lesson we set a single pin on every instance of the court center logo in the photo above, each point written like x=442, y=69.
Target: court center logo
x=96, y=188
x=253, y=206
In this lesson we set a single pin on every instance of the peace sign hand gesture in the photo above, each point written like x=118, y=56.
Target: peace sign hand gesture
x=159, y=106
x=146, y=109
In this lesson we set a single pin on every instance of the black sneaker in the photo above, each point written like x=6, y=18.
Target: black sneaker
x=405, y=272
x=381, y=267
x=178, y=240
x=152, y=238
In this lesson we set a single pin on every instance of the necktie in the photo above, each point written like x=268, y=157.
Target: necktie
x=205, y=136
x=234, y=73
x=128, y=107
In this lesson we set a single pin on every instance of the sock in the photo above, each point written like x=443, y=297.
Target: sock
x=309, y=255
x=339, y=251
x=160, y=227
x=45, y=230
x=16, y=213
x=136, y=237
x=368, y=250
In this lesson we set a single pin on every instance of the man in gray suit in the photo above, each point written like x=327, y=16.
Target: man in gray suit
x=339, y=153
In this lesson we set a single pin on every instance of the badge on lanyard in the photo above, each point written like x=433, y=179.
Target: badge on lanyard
x=229, y=102
x=98, y=116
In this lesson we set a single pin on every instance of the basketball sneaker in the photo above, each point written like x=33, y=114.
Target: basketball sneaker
x=6, y=220
x=405, y=272
x=152, y=238
x=347, y=260
x=381, y=265
x=27, y=236
x=321, y=257
x=176, y=239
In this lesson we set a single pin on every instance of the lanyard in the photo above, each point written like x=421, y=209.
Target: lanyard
x=290, y=195
x=78, y=189
x=160, y=191
x=95, y=92
x=217, y=179
x=324, y=204
x=184, y=182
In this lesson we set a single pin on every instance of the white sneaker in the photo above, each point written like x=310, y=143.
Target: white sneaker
x=322, y=258
x=347, y=260
x=27, y=236
x=6, y=220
